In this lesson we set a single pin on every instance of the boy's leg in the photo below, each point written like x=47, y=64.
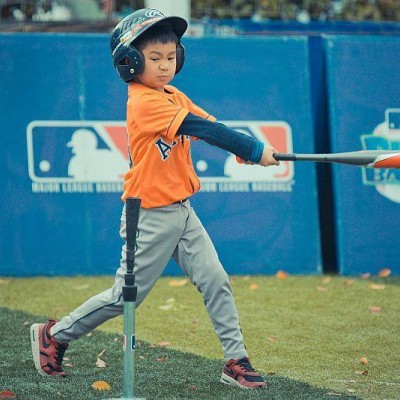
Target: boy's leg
x=159, y=232
x=198, y=258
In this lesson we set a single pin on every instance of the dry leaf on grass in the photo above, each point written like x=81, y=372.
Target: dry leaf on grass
x=321, y=289
x=364, y=361
x=101, y=385
x=348, y=282
x=71, y=365
x=178, y=282
x=327, y=279
x=82, y=287
x=282, y=274
x=374, y=309
x=254, y=286
x=7, y=394
x=2, y=282
x=384, y=273
x=365, y=372
x=162, y=359
x=273, y=339
x=374, y=286
x=164, y=344
x=333, y=394
x=101, y=354
x=100, y=363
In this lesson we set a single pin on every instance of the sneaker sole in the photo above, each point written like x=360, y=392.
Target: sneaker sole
x=227, y=380
x=34, y=332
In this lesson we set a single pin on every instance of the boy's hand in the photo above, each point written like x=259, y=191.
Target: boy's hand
x=267, y=158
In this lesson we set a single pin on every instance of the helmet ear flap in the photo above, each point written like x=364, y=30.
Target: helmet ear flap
x=131, y=65
x=180, y=57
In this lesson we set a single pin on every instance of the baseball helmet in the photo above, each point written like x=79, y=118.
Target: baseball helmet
x=127, y=59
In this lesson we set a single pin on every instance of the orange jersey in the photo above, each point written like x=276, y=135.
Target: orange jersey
x=162, y=171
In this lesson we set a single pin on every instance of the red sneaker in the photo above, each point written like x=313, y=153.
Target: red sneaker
x=47, y=353
x=241, y=373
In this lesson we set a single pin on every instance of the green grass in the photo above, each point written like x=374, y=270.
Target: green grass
x=307, y=332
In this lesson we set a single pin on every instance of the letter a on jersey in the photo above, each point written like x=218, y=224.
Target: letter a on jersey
x=163, y=148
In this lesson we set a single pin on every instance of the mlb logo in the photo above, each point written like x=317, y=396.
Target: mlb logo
x=215, y=165
x=77, y=151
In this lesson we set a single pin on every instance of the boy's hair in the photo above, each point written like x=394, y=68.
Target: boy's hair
x=160, y=33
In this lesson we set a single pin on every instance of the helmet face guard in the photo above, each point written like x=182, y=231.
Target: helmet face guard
x=128, y=60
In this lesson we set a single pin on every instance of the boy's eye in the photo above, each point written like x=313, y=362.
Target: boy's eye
x=154, y=59
x=171, y=58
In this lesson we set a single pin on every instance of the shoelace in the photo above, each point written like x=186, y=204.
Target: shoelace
x=245, y=364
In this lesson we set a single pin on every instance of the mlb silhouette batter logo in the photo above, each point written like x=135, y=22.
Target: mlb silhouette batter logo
x=77, y=151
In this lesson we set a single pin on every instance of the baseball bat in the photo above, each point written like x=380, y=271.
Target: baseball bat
x=364, y=158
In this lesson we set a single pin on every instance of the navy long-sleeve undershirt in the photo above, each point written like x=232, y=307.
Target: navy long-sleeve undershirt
x=223, y=137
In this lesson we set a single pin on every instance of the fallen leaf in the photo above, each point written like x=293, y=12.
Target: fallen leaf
x=282, y=274
x=2, y=282
x=351, y=390
x=100, y=363
x=164, y=344
x=364, y=361
x=162, y=359
x=246, y=278
x=321, y=289
x=26, y=323
x=193, y=387
x=374, y=309
x=366, y=275
x=178, y=282
x=365, y=372
x=327, y=279
x=384, y=273
x=254, y=286
x=273, y=339
x=166, y=307
x=195, y=320
x=101, y=354
x=101, y=385
x=141, y=357
x=374, y=286
x=90, y=334
x=69, y=365
x=7, y=394
x=82, y=287
x=271, y=373
x=333, y=394
x=348, y=282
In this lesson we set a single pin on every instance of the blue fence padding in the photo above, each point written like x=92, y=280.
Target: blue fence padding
x=55, y=223
x=266, y=27
x=363, y=75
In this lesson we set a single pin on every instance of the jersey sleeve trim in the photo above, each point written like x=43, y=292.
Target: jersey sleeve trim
x=176, y=122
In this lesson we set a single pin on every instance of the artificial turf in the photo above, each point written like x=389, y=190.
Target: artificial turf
x=306, y=334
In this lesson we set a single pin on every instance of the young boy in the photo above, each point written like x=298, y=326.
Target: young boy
x=147, y=53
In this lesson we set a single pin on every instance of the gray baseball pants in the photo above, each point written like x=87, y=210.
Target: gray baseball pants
x=165, y=232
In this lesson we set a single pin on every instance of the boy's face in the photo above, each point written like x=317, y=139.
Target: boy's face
x=159, y=65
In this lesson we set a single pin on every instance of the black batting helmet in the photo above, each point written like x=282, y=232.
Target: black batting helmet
x=127, y=59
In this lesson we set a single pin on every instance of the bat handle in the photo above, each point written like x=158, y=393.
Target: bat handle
x=285, y=156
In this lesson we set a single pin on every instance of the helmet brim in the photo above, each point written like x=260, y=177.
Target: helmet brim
x=178, y=24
